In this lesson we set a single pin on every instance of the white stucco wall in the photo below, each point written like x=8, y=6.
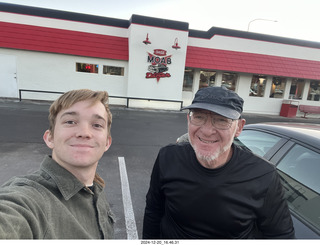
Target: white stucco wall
x=56, y=72
x=169, y=88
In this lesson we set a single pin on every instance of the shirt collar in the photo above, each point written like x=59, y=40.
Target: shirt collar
x=66, y=182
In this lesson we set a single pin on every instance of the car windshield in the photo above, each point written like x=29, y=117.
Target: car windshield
x=258, y=142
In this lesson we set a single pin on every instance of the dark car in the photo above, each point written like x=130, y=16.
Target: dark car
x=295, y=149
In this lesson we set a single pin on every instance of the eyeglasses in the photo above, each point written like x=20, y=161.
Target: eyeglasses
x=200, y=118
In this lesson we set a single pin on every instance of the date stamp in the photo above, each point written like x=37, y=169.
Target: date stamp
x=159, y=242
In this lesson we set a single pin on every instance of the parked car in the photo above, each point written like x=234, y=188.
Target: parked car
x=295, y=150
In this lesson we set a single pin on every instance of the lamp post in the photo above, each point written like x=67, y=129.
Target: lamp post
x=259, y=19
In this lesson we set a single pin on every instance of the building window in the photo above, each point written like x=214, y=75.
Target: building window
x=296, y=89
x=188, y=80
x=113, y=70
x=258, y=85
x=207, y=78
x=89, y=68
x=278, y=87
x=229, y=80
x=314, y=91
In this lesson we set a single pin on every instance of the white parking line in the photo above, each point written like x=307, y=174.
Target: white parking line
x=131, y=227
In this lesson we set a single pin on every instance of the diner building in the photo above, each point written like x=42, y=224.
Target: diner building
x=147, y=62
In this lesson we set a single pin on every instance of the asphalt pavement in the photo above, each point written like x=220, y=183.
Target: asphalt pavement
x=126, y=167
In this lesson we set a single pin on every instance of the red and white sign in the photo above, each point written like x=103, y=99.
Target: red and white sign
x=159, y=64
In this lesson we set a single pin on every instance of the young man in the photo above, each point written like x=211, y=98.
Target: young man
x=210, y=188
x=65, y=198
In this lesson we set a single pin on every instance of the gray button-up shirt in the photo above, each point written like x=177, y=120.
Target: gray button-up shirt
x=53, y=204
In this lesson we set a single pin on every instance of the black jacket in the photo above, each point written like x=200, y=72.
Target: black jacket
x=242, y=199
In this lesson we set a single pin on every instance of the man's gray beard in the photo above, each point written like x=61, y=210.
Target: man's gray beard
x=209, y=158
x=206, y=159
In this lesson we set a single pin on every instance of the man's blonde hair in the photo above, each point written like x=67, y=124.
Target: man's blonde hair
x=68, y=99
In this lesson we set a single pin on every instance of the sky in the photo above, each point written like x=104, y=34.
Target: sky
x=299, y=19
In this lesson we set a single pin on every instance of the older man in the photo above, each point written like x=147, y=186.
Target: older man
x=210, y=188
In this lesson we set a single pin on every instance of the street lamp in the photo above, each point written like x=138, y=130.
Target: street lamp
x=259, y=19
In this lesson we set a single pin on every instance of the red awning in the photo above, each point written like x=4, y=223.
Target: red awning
x=36, y=38
x=215, y=59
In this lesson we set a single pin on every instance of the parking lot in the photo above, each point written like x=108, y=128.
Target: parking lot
x=137, y=137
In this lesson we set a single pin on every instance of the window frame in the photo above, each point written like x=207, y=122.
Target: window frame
x=314, y=91
x=296, y=85
x=278, y=81
x=187, y=86
x=234, y=79
x=94, y=69
x=206, y=78
x=106, y=70
x=261, y=82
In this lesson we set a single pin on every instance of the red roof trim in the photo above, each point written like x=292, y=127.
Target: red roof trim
x=53, y=40
x=225, y=60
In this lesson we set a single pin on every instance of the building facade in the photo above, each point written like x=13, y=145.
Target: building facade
x=156, y=63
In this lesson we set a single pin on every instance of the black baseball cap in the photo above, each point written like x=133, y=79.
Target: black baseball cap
x=219, y=100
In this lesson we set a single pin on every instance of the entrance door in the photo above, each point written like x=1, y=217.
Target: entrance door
x=8, y=76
